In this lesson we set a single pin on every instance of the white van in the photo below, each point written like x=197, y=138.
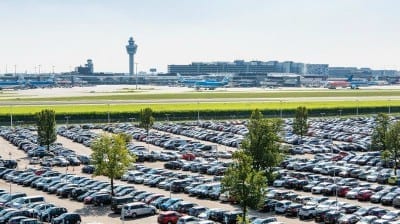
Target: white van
x=24, y=201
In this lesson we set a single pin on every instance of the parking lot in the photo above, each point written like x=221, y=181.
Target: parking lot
x=336, y=149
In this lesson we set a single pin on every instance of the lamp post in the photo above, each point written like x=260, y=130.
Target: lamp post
x=198, y=112
x=334, y=172
x=11, y=117
x=281, y=108
x=357, y=108
x=322, y=115
x=136, y=77
x=10, y=154
x=166, y=115
x=108, y=113
x=340, y=113
x=67, y=120
x=389, y=107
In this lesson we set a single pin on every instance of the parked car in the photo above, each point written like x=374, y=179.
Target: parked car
x=168, y=217
x=70, y=218
x=135, y=209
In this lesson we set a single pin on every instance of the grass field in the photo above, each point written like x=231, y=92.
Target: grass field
x=210, y=95
x=79, y=108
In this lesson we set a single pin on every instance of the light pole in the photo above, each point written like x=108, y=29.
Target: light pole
x=108, y=113
x=136, y=78
x=322, y=115
x=334, y=172
x=67, y=120
x=389, y=107
x=39, y=68
x=198, y=112
x=340, y=113
x=357, y=108
x=281, y=108
x=11, y=117
x=10, y=154
x=167, y=117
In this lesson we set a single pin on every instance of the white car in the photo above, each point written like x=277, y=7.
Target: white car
x=282, y=206
x=136, y=209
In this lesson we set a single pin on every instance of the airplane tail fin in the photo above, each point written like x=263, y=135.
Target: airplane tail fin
x=180, y=78
x=225, y=80
x=350, y=78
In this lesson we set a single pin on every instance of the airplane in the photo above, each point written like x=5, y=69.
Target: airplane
x=211, y=84
x=18, y=84
x=41, y=84
x=350, y=82
x=188, y=82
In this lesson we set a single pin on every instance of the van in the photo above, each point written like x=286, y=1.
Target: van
x=24, y=201
x=117, y=202
x=135, y=209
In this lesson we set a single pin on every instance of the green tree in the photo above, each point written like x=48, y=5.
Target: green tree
x=111, y=157
x=393, y=144
x=46, y=127
x=244, y=183
x=300, y=125
x=146, y=119
x=379, y=135
x=262, y=143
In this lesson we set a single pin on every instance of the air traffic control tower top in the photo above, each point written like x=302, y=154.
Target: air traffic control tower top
x=131, y=50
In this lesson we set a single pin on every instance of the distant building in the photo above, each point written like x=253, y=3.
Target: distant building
x=87, y=69
x=238, y=66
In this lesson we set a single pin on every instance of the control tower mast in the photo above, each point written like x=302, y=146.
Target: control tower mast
x=131, y=50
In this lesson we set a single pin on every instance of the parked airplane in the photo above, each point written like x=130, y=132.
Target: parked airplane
x=211, y=84
x=352, y=83
x=41, y=84
x=188, y=82
x=18, y=84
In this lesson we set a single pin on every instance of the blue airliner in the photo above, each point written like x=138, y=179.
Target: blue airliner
x=211, y=84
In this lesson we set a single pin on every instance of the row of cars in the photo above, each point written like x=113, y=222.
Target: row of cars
x=324, y=210
x=57, y=155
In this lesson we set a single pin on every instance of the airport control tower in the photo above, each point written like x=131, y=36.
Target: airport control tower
x=131, y=50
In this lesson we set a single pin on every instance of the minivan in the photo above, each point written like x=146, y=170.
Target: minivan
x=135, y=209
x=282, y=206
x=24, y=201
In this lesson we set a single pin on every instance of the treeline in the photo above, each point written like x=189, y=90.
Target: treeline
x=100, y=117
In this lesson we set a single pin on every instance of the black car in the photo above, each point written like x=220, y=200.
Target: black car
x=89, y=169
x=101, y=199
x=51, y=213
x=320, y=215
x=231, y=217
x=75, y=193
x=174, y=165
x=269, y=205
x=332, y=217
x=117, y=202
x=179, y=185
x=70, y=218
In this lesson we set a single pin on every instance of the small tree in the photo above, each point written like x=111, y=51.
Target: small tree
x=46, y=127
x=244, y=183
x=393, y=144
x=379, y=135
x=262, y=143
x=146, y=119
x=300, y=125
x=111, y=157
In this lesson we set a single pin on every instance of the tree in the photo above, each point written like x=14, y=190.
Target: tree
x=146, y=119
x=244, y=183
x=262, y=143
x=393, y=144
x=379, y=135
x=300, y=125
x=46, y=127
x=111, y=157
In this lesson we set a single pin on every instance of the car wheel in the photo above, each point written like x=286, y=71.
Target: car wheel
x=134, y=215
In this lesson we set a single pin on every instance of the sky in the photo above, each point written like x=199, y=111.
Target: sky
x=64, y=33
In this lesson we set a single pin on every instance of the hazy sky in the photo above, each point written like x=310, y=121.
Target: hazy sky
x=64, y=33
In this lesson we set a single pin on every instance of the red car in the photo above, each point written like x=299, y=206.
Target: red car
x=151, y=198
x=342, y=191
x=168, y=217
x=364, y=195
x=188, y=156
